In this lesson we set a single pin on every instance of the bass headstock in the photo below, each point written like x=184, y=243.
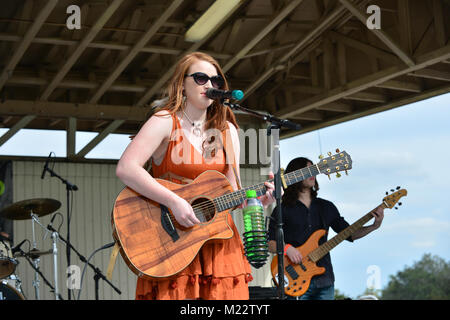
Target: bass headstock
x=391, y=199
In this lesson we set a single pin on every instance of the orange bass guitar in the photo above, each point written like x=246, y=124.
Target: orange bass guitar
x=154, y=245
x=297, y=277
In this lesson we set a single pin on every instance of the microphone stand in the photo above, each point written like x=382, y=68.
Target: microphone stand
x=98, y=273
x=274, y=123
x=69, y=187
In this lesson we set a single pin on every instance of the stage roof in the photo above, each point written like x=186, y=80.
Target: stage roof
x=315, y=62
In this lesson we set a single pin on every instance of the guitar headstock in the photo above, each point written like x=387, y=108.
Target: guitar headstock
x=341, y=161
x=391, y=200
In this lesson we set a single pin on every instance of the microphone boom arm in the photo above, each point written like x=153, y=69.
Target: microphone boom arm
x=266, y=117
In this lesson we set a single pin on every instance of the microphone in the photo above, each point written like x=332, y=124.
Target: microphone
x=17, y=248
x=46, y=166
x=224, y=94
x=50, y=225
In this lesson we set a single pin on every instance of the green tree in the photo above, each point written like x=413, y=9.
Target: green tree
x=340, y=295
x=427, y=279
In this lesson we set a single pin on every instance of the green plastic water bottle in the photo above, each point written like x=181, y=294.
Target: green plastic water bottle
x=255, y=234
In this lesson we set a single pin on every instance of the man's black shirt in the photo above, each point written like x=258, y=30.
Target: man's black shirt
x=299, y=223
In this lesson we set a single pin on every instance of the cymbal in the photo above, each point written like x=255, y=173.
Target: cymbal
x=22, y=210
x=33, y=253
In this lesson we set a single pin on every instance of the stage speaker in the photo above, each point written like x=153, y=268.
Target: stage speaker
x=262, y=293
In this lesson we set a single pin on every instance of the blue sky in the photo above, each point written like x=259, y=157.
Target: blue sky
x=407, y=146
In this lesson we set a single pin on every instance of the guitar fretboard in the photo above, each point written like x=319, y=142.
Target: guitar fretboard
x=233, y=199
x=324, y=248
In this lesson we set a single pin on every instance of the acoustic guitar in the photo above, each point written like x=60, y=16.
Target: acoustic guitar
x=154, y=245
x=297, y=277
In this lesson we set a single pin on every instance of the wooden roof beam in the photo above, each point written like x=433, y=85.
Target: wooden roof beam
x=383, y=36
x=367, y=96
x=71, y=137
x=431, y=74
x=22, y=123
x=108, y=45
x=26, y=41
x=99, y=138
x=135, y=50
x=309, y=116
x=364, y=47
x=168, y=73
x=51, y=109
x=304, y=43
x=400, y=86
x=336, y=107
x=359, y=114
x=80, y=48
x=365, y=83
x=264, y=32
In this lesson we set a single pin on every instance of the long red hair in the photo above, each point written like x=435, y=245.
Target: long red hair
x=217, y=114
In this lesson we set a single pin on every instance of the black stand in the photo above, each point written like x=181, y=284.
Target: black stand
x=69, y=187
x=98, y=272
x=275, y=123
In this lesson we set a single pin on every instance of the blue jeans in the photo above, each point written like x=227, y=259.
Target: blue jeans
x=314, y=293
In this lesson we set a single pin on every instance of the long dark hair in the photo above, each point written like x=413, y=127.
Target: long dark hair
x=292, y=192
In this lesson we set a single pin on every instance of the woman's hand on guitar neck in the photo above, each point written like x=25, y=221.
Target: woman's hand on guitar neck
x=183, y=213
x=269, y=197
x=294, y=255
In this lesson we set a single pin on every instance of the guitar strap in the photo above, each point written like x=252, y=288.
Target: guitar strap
x=112, y=261
x=229, y=154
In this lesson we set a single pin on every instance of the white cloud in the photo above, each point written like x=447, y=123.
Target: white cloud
x=423, y=244
x=423, y=225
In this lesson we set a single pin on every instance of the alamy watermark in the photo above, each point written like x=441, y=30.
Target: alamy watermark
x=374, y=20
x=373, y=282
x=74, y=20
x=74, y=277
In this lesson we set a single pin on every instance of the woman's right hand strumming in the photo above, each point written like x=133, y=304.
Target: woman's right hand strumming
x=184, y=213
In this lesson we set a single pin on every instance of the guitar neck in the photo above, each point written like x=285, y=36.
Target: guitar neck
x=233, y=199
x=324, y=248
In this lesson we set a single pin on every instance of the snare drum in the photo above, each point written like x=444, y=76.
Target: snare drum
x=7, y=262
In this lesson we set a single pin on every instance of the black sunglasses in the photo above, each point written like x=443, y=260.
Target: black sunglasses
x=201, y=78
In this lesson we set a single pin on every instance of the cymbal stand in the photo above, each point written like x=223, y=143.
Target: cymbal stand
x=24, y=254
x=55, y=238
x=36, y=259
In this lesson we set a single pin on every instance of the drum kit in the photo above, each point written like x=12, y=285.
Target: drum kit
x=10, y=283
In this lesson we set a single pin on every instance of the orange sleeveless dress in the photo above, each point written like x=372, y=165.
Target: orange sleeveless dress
x=220, y=271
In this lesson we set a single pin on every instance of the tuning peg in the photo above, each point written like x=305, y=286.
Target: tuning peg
x=396, y=208
x=398, y=188
x=338, y=175
x=337, y=151
x=321, y=157
x=392, y=190
x=387, y=193
x=399, y=203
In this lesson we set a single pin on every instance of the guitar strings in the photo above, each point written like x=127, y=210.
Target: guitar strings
x=234, y=197
x=209, y=206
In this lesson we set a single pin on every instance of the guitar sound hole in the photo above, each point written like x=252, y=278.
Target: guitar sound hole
x=204, y=209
